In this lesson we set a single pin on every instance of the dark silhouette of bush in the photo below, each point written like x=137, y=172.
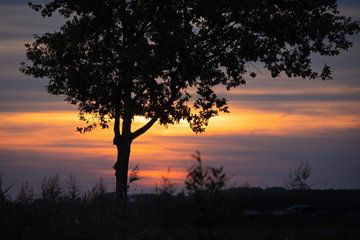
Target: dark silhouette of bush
x=208, y=180
x=3, y=191
x=72, y=188
x=166, y=186
x=204, y=184
x=51, y=189
x=231, y=213
x=26, y=194
x=97, y=194
x=298, y=177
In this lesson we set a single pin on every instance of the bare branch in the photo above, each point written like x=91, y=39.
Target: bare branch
x=144, y=128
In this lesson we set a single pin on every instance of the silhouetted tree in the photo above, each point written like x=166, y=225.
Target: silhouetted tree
x=202, y=179
x=51, y=188
x=167, y=186
x=204, y=184
x=117, y=59
x=26, y=194
x=3, y=191
x=72, y=188
x=98, y=191
x=298, y=177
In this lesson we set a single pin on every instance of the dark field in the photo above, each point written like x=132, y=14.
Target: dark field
x=238, y=213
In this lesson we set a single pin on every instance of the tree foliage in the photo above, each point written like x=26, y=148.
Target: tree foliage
x=134, y=176
x=160, y=59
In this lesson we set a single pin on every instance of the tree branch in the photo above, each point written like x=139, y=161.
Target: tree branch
x=144, y=128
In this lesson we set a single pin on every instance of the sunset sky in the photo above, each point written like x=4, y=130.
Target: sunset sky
x=274, y=124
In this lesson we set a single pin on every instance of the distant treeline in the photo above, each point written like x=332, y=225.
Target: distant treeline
x=251, y=213
x=205, y=209
x=280, y=198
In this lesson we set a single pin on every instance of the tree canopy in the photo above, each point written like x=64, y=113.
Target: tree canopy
x=157, y=58
x=161, y=59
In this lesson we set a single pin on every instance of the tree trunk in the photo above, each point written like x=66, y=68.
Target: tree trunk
x=121, y=171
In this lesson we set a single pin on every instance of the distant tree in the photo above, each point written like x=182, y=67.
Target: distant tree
x=118, y=59
x=208, y=180
x=72, y=188
x=245, y=185
x=51, y=188
x=26, y=194
x=298, y=177
x=167, y=186
x=205, y=185
x=3, y=192
x=98, y=190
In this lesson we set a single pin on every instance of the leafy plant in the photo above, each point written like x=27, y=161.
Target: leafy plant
x=204, y=179
x=134, y=175
x=205, y=184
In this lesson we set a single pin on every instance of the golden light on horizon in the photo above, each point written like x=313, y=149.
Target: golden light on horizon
x=153, y=177
x=50, y=130
x=54, y=132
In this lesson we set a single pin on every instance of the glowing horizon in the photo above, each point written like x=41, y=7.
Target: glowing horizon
x=273, y=124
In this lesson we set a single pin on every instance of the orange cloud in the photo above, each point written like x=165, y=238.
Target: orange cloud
x=50, y=131
x=54, y=132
